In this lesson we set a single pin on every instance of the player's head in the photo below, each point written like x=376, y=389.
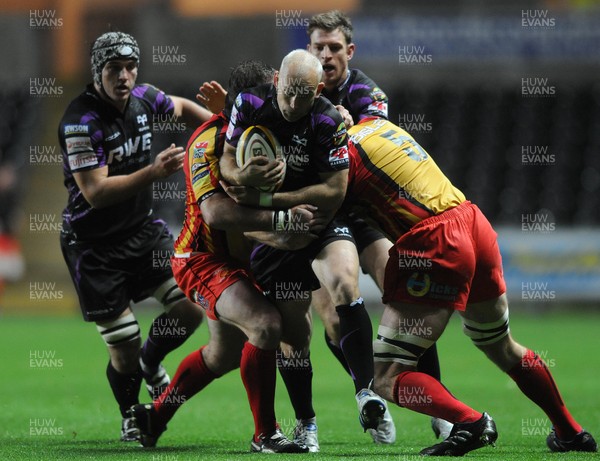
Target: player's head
x=115, y=57
x=298, y=84
x=330, y=40
x=246, y=75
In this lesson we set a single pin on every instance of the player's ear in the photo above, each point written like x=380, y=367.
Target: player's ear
x=350, y=50
x=275, y=78
x=320, y=87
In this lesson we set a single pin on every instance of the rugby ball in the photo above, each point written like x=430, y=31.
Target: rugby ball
x=258, y=141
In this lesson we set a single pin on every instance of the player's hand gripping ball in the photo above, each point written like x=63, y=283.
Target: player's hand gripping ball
x=258, y=141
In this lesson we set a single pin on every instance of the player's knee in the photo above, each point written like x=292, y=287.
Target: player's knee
x=344, y=287
x=265, y=330
x=267, y=334
x=398, y=347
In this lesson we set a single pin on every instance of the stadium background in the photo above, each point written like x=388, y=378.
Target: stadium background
x=504, y=96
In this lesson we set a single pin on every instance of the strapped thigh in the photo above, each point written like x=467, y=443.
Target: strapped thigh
x=483, y=334
x=169, y=294
x=394, y=345
x=120, y=331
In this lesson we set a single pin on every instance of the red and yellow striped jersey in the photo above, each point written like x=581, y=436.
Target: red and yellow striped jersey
x=395, y=179
x=201, y=168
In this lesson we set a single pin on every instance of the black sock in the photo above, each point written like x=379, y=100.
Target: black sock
x=337, y=352
x=429, y=363
x=357, y=342
x=297, y=375
x=165, y=335
x=125, y=388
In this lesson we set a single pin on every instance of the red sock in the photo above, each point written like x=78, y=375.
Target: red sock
x=535, y=381
x=191, y=377
x=257, y=368
x=422, y=393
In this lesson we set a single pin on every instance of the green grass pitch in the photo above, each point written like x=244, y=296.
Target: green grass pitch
x=56, y=403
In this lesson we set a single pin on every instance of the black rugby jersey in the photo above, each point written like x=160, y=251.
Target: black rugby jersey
x=317, y=143
x=360, y=96
x=94, y=134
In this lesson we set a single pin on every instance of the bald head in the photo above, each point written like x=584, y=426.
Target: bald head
x=300, y=64
x=298, y=84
